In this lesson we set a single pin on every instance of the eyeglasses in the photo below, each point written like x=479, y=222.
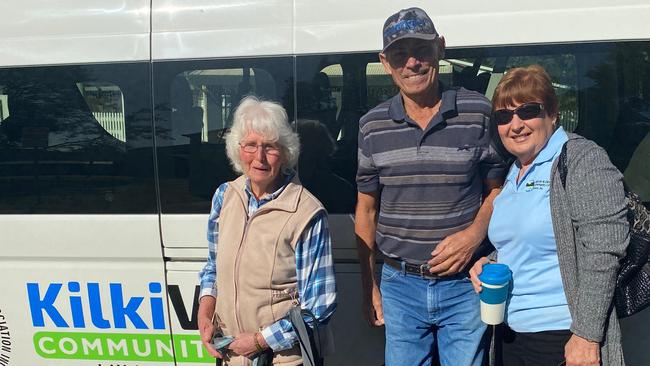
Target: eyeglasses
x=398, y=54
x=251, y=148
x=524, y=111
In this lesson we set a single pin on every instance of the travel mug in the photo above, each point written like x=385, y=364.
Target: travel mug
x=495, y=280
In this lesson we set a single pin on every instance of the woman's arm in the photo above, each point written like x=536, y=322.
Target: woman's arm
x=208, y=275
x=596, y=198
x=206, y=327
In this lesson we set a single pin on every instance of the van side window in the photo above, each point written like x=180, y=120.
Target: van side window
x=603, y=89
x=106, y=103
x=63, y=140
x=4, y=107
x=331, y=97
x=195, y=102
x=380, y=84
x=628, y=69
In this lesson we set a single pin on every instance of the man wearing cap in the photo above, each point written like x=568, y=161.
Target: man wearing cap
x=426, y=180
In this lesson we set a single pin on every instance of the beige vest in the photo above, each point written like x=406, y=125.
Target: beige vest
x=256, y=263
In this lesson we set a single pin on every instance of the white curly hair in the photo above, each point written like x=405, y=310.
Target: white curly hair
x=268, y=119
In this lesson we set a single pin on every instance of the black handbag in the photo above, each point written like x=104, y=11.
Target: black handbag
x=632, y=292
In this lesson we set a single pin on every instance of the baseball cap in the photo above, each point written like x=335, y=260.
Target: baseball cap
x=408, y=23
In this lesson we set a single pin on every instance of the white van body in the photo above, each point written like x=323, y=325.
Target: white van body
x=104, y=229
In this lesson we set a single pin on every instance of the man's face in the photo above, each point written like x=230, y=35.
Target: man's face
x=413, y=65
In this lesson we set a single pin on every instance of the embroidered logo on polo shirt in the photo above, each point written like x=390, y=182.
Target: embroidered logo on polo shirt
x=537, y=185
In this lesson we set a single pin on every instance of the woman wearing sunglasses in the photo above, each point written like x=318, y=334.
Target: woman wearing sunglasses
x=562, y=245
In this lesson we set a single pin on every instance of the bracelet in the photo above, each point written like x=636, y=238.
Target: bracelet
x=257, y=343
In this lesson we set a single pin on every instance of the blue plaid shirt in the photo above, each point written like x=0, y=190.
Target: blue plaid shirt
x=314, y=267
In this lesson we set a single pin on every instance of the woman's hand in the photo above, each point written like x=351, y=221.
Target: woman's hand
x=581, y=352
x=475, y=271
x=206, y=327
x=244, y=344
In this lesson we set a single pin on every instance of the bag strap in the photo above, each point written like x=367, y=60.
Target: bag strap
x=563, y=170
x=562, y=165
x=298, y=323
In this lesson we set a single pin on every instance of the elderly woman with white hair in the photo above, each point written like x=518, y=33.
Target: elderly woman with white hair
x=269, y=244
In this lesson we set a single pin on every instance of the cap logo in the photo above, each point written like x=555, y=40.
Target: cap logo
x=409, y=25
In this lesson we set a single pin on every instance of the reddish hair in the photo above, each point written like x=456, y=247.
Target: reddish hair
x=526, y=84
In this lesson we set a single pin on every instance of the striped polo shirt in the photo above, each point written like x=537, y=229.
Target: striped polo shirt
x=430, y=181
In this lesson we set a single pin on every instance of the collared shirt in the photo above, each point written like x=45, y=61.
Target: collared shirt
x=314, y=266
x=431, y=181
x=522, y=232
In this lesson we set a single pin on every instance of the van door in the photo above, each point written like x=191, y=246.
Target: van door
x=205, y=60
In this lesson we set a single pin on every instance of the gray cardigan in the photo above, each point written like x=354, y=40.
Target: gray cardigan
x=590, y=249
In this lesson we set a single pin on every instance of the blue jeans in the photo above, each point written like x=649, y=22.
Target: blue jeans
x=420, y=312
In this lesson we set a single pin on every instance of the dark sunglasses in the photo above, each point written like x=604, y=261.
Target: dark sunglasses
x=524, y=111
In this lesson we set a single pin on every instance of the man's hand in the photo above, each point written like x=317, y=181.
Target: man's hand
x=206, y=328
x=244, y=345
x=581, y=352
x=372, y=309
x=454, y=252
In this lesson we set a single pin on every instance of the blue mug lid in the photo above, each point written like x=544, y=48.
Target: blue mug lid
x=495, y=274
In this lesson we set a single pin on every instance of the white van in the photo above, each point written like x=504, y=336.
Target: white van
x=111, y=122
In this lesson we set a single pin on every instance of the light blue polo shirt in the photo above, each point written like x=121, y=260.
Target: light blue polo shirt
x=522, y=232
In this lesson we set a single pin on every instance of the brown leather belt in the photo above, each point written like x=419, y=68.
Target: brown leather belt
x=421, y=270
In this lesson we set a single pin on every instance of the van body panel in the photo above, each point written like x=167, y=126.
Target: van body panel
x=117, y=237
x=41, y=32
x=231, y=28
x=83, y=287
x=184, y=231
x=50, y=319
x=320, y=26
x=184, y=291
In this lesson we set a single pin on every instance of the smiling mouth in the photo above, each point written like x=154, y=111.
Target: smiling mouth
x=521, y=137
x=413, y=76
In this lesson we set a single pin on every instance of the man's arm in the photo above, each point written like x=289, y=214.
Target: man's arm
x=365, y=227
x=454, y=252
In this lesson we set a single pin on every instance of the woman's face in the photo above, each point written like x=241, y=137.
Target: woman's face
x=525, y=138
x=263, y=166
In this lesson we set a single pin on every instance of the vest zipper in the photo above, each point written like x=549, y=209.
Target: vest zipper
x=237, y=261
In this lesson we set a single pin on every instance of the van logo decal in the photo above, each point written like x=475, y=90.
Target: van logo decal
x=5, y=341
x=73, y=306
x=47, y=303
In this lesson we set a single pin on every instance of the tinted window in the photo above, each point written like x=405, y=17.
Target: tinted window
x=331, y=99
x=604, y=93
x=194, y=102
x=76, y=139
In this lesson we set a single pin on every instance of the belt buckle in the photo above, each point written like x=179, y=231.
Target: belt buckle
x=424, y=270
